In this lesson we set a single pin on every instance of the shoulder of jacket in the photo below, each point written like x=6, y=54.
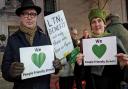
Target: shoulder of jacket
x=40, y=30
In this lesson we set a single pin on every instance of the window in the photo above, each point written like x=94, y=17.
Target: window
x=49, y=7
x=127, y=8
x=12, y=29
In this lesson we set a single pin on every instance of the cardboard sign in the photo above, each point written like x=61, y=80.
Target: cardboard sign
x=59, y=34
x=100, y=51
x=37, y=61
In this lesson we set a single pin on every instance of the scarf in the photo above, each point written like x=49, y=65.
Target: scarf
x=93, y=35
x=29, y=33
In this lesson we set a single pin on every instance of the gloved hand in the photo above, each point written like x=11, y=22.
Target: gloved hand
x=57, y=64
x=16, y=69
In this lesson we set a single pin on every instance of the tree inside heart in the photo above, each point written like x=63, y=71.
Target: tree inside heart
x=38, y=59
x=99, y=50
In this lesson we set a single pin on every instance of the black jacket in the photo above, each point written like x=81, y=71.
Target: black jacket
x=16, y=41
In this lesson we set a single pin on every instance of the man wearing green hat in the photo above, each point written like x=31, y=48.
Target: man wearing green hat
x=28, y=35
x=106, y=76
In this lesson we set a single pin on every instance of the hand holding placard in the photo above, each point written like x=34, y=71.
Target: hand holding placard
x=16, y=69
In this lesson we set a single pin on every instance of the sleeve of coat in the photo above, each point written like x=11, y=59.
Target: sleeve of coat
x=6, y=62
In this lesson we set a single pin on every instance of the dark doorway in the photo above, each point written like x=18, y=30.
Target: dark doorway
x=127, y=8
x=49, y=7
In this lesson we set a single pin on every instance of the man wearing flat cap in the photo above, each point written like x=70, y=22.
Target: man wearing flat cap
x=28, y=35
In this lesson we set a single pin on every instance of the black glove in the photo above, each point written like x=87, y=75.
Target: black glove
x=57, y=64
x=16, y=69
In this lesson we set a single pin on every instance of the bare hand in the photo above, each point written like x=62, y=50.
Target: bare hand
x=79, y=58
x=123, y=59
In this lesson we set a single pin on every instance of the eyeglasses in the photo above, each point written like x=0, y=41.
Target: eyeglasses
x=26, y=14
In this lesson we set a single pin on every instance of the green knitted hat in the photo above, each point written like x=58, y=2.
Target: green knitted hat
x=97, y=13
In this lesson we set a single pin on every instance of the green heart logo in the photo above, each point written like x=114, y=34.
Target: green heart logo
x=38, y=60
x=99, y=50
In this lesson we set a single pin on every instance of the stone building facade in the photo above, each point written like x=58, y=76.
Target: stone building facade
x=76, y=12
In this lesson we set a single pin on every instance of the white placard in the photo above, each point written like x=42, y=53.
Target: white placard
x=100, y=51
x=37, y=61
x=59, y=34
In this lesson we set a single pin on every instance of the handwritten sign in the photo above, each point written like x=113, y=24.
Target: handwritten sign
x=37, y=61
x=59, y=34
x=100, y=51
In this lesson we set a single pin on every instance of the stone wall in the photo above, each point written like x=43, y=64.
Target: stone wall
x=76, y=11
x=1, y=56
